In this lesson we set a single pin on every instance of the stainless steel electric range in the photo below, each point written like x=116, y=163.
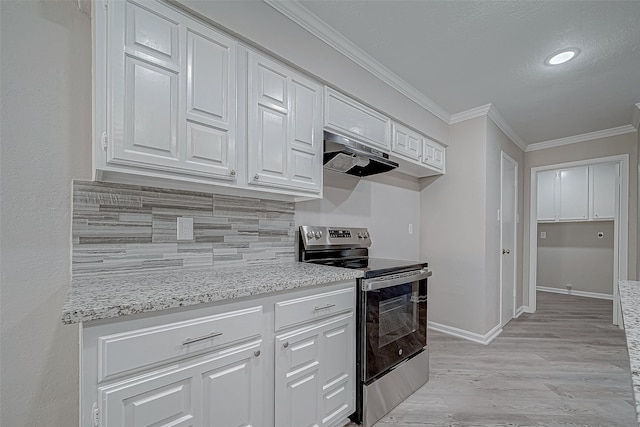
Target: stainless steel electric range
x=392, y=360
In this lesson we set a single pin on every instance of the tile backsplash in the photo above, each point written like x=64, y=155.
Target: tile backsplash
x=121, y=228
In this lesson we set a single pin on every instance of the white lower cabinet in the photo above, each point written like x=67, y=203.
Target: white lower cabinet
x=222, y=389
x=226, y=365
x=314, y=375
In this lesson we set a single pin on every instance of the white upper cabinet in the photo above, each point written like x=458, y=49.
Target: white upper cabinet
x=416, y=154
x=171, y=96
x=547, y=195
x=573, y=189
x=434, y=154
x=284, y=128
x=406, y=142
x=353, y=119
x=603, y=191
x=578, y=194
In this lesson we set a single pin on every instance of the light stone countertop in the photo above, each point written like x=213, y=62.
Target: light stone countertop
x=108, y=296
x=630, y=301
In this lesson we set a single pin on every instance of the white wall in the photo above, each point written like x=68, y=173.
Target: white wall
x=452, y=238
x=386, y=204
x=572, y=254
x=46, y=121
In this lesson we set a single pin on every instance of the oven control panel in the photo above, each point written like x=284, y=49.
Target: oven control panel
x=327, y=237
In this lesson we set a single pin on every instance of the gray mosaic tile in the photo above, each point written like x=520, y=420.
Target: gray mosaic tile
x=120, y=228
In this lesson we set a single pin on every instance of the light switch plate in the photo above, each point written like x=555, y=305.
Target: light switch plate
x=543, y=234
x=185, y=228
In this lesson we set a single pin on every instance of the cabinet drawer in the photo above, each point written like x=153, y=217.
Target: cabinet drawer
x=300, y=310
x=137, y=349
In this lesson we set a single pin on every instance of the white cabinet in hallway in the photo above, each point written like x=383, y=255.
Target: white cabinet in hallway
x=563, y=195
x=284, y=127
x=603, y=191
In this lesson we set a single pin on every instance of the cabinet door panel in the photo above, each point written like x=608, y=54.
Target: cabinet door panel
x=208, y=66
x=298, y=383
x=272, y=154
x=147, y=133
x=230, y=397
x=406, y=142
x=338, y=370
x=574, y=194
x=351, y=118
x=211, y=92
x=162, y=400
x=305, y=170
x=604, y=191
x=149, y=32
x=546, y=195
x=208, y=147
x=272, y=87
x=434, y=154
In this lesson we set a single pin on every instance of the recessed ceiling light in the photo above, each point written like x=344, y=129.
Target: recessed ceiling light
x=562, y=56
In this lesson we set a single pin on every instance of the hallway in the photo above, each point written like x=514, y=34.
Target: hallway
x=565, y=365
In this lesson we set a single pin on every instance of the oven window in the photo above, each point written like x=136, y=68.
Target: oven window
x=398, y=318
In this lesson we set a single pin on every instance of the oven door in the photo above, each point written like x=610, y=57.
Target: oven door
x=395, y=309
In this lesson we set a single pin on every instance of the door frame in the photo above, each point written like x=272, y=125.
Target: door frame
x=506, y=158
x=621, y=228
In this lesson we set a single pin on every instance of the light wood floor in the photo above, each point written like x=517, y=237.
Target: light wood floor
x=565, y=365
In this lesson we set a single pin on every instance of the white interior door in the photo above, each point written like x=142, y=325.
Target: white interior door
x=508, y=211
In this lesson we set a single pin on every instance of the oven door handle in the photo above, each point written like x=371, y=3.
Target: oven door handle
x=393, y=280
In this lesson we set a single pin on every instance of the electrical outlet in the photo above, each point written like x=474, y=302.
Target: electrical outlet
x=185, y=228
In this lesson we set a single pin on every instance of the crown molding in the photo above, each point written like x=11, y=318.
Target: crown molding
x=497, y=118
x=492, y=113
x=310, y=22
x=482, y=110
x=635, y=121
x=620, y=130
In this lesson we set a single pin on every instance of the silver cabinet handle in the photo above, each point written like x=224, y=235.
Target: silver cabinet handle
x=202, y=338
x=506, y=251
x=232, y=172
x=285, y=344
x=325, y=307
x=256, y=177
x=256, y=353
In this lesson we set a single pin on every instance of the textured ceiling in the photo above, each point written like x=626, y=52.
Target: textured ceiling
x=464, y=54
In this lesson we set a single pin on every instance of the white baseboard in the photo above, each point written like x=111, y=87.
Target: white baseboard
x=464, y=334
x=575, y=293
x=520, y=310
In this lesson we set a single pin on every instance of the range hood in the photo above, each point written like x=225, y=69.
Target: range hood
x=345, y=155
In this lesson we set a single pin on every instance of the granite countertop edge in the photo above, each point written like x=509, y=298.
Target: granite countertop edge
x=108, y=296
x=630, y=302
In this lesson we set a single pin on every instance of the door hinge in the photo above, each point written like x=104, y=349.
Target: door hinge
x=104, y=141
x=95, y=414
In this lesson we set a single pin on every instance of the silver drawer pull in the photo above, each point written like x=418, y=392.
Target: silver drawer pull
x=285, y=344
x=325, y=307
x=202, y=338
